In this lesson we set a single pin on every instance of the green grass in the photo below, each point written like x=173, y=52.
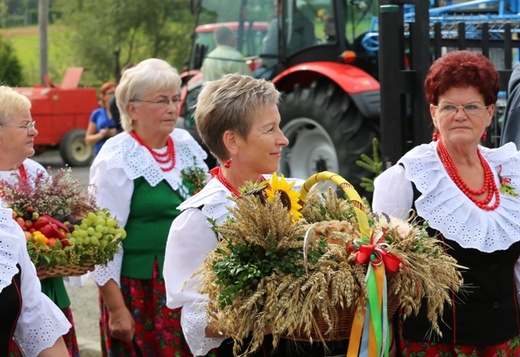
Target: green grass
x=25, y=41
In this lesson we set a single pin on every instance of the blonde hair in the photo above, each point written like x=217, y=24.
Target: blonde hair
x=231, y=103
x=11, y=102
x=148, y=76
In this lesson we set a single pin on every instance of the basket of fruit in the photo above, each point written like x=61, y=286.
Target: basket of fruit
x=304, y=265
x=66, y=233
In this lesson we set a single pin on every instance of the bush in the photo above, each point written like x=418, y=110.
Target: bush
x=10, y=68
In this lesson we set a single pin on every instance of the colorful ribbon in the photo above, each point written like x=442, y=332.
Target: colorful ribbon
x=370, y=334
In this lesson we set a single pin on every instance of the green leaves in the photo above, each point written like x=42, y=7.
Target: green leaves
x=372, y=164
x=243, y=265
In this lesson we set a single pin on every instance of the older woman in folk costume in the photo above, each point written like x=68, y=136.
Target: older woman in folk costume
x=468, y=195
x=238, y=120
x=18, y=130
x=28, y=315
x=138, y=176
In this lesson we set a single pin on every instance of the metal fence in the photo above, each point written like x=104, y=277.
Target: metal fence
x=406, y=51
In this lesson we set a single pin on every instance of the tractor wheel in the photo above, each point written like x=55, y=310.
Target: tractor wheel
x=326, y=132
x=74, y=150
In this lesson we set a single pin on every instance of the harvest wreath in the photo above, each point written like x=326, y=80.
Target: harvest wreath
x=66, y=233
x=314, y=278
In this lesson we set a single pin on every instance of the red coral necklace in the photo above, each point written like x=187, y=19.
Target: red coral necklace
x=160, y=158
x=23, y=172
x=489, y=181
x=217, y=172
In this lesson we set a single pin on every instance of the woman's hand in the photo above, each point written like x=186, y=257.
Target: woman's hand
x=120, y=321
x=42, y=273
x=121, y=324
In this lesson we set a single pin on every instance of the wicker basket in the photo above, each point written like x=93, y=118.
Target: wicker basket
x=68, y=270
x=342, y=317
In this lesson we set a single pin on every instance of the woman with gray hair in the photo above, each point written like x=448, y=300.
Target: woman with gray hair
x=138, y=175
x=28, y=315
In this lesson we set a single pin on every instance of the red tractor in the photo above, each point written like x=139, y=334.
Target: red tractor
x=331, y=101
x=62, y=114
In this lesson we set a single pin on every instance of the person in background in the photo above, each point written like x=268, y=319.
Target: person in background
x=37, y=323
x=302, y=35
x=469, y=196
x=238, y=119
x=138, y=176
x=224, y=58
x=101, y=126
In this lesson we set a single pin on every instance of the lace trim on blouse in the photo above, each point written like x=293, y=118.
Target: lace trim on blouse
x=451, y=212
x=123, y=151
x=9, y=249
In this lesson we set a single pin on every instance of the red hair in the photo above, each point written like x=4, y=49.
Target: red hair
x=462, y=69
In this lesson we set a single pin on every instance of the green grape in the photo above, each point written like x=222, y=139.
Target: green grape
x=94, y=241
x=103, y=243
x=72, y=240
x=100, y=222
x=91, y=231
x=84, y=226
x=98, y=235
x=111, y=222
x=100, y=228
x=92, y=216
x=82, y=233
x=80, y=241
x=111, y=230
x=85, y=221
x=102, y=214
x=75, y=233
x=86, y=240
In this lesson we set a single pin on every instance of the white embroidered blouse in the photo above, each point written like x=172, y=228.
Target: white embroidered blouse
x=120, y=161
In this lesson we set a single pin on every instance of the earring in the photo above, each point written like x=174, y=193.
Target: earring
x=484, y=136
x=435, y=136
x=227, y=164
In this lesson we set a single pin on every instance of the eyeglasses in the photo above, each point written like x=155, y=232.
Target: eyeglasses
x=164, y=102
x=29, y=126
x=446, y=110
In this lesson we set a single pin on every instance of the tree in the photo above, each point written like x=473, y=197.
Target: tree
x=105, y=35
x=11, y=69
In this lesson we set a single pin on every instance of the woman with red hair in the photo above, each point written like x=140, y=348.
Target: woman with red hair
x=468, y=195
x=101, y=126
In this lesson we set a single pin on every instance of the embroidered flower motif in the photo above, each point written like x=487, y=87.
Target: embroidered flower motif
x=505, y=184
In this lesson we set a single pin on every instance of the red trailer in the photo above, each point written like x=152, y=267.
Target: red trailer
x=62, y=114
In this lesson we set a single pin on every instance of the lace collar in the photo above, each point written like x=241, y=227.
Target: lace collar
x=449, y=211
x=214, y=200
x=10, y=247
x=122, y=151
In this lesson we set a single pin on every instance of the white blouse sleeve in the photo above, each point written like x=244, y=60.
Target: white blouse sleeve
x=41, y=322
x=190, y=240
x=113, y=190
x=393, y=193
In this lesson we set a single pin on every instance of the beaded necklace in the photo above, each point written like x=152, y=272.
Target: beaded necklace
x=489, y=181
x=217, y=172
x=23, y=172
x=160, y=158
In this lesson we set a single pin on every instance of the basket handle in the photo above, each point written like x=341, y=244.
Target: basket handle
x=350, y=192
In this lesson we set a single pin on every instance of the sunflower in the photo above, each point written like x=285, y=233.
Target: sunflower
x=289, y=198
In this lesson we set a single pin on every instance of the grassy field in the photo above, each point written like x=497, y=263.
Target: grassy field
x=25, y=41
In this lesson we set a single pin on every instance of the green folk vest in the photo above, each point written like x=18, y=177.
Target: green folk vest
x=152, y=210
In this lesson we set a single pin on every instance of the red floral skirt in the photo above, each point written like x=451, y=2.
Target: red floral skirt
x=69, y=337
x=157, y=328
x=433, y=349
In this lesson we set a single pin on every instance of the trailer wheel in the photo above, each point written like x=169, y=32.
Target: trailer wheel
x=74, y=150
x=326, y=131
